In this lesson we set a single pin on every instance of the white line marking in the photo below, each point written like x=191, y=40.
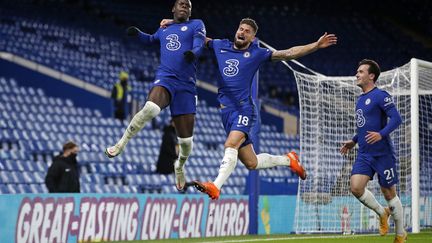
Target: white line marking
x=289, y=238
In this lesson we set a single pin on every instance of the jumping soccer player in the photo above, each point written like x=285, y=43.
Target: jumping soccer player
x=180, y=45
x=238, y=62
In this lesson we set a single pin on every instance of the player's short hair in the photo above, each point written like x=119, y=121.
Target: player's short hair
x=69, y=145
x=373, y=67
x=251, y=23
x=175, y=2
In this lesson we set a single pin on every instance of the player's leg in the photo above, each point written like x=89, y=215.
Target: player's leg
x=158, y=99
x=388, y=178
x=184, y=125
x=253, y=161
x=361, y=173
x=183, y=109
x=229, y=161
x=396, y=211
x=358, y=184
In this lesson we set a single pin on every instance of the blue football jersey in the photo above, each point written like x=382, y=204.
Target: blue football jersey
x=237, y=68
x=174, y=40
x=372, y=112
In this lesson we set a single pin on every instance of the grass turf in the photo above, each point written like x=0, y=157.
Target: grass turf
x=422, y=237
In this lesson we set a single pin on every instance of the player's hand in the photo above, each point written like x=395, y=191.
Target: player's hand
x=326, y=40
x=347, y=146
x=165, y=22
x=132, y=31
x=189, y=56
x=373, y=137
x=207, y=41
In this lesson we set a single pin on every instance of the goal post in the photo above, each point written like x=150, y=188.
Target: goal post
x=327, y=117
x=421, y=73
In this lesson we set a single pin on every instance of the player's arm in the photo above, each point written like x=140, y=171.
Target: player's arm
x=324, y=41
x=348, y=145
x=165, y=22
x=199, y=39
x=394, y=121
x=144, y=37
x=208, y=43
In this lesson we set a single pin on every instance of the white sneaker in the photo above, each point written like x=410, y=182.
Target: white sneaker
x=179, y=176
x=113, y=151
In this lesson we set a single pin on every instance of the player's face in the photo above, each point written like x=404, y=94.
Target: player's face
x=182, y=10
x=244, y=36
x=363, y=76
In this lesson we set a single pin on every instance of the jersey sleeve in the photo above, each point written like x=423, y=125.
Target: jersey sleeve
x=215, y=44
x=210, y=44
x=387, y=105
x=265, y=55
x=386, y=101
x=149, y=39
x=199, y=38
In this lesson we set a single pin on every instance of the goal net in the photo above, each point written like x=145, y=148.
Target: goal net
x=327, y=117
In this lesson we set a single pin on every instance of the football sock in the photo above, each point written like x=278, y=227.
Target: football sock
x=229, y=162
x=148, y=112
x=370, y=201
x=268, y=161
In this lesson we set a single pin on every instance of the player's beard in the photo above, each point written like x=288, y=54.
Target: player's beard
x=240, y=44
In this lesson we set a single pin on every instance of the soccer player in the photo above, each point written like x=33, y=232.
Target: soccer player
x=238, y=62
x=376, y=154
x=180, y=45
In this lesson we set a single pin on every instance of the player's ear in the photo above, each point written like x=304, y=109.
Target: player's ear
x=372, y=76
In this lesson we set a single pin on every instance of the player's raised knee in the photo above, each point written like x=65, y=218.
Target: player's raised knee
x=357, y=191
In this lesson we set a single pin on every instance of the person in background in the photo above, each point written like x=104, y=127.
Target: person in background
x=168, y=150
x=63, y=174
x=119, y=94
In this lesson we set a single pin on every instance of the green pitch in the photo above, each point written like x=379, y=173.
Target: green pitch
x=423, y=237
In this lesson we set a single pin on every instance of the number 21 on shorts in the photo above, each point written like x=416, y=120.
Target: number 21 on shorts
x=389, y=174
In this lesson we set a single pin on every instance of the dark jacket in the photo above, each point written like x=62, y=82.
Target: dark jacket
x=167, y=154
x=63, y=175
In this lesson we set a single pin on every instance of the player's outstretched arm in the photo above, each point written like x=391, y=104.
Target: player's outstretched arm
x=144, y=37
x=132, y=31
x=324, y=41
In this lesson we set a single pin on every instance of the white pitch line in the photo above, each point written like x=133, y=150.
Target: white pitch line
x=290, y=238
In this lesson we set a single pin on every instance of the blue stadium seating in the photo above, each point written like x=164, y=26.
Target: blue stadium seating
x=28, y=147
x=95, y=50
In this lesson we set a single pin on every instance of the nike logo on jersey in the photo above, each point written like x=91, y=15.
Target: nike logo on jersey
x=223, y=51
x=67, y=170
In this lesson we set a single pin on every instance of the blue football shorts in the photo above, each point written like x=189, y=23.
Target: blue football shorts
x=183, y=95
x=241, y=118
x=383, y=165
